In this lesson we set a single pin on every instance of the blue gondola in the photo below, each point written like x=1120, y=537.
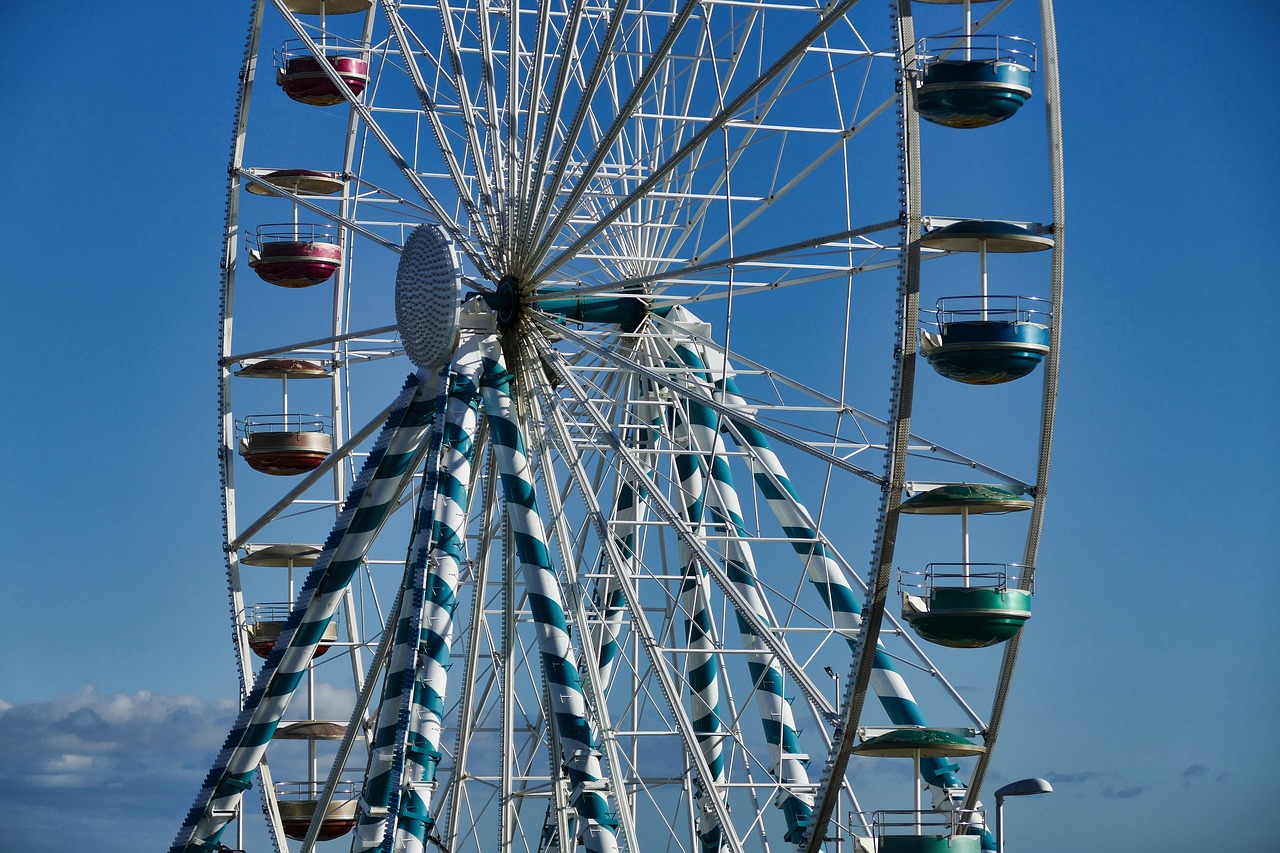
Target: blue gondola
x=985, y=339
x=972, y=81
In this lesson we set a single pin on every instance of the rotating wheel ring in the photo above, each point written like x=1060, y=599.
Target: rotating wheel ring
x=626, y=497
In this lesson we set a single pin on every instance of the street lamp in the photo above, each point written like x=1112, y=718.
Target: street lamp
x=1021, y=788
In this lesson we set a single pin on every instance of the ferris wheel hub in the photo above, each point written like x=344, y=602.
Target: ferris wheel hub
x=506, y=302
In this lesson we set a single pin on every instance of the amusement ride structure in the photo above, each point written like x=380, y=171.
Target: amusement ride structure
x=589, y=373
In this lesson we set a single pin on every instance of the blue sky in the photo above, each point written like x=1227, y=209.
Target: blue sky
x=1147, y=690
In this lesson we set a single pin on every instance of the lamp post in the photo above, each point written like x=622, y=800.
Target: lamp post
x=1021, y=788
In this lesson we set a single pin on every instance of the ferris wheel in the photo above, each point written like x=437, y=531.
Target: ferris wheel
x=579, y=465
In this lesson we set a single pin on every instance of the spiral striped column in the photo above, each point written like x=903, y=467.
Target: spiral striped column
x=829, y=578
x=609, y=600
x=724, y=510
x=439, y=601
x=384, y=476
x=371, y=821
x=428, y=598
x=629, y=509
x=700, y=661
x=589, y=794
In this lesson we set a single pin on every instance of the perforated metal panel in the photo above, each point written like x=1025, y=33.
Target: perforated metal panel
x=428, y=289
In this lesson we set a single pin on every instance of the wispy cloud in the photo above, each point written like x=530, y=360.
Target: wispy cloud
x=1072, y=778
x=1193, y=773
x=1096, y=783
x=1199, y=773
x=117, y=760
x=1123, y=793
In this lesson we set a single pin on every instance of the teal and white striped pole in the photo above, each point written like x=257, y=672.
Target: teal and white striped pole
x=700, y=659
x=724, y=510
x=629, y=509
x=405, y=682
x=589, y=794
x=371, y=819
x=829, y=578
x=384, y=476
x=421, y=746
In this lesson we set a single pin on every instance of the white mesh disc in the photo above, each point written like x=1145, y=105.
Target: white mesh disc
x=428, y=290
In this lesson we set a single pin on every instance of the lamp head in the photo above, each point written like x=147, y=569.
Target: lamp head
x=1024, y=787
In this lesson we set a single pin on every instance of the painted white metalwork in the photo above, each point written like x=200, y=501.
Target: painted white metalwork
x=659, y=273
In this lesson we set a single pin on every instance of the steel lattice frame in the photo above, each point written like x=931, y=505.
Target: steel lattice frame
x=602, y=579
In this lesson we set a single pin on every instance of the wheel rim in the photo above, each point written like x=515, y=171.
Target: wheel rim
x=692, y=492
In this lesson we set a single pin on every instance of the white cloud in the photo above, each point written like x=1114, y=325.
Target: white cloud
x=128, y=766
x=332, y=702
x=70, y=763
